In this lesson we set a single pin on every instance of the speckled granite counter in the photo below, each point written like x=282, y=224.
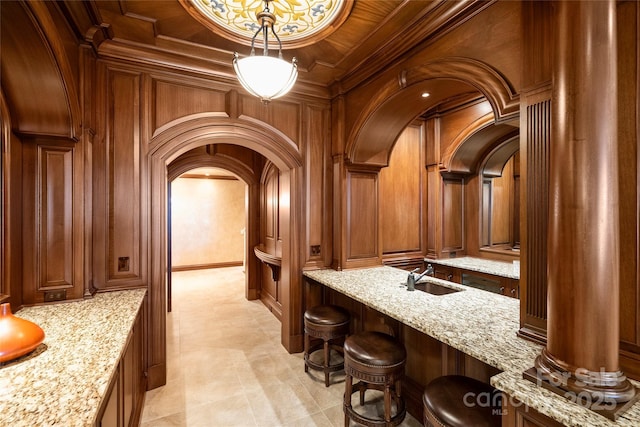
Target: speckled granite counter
x=479, y=323
x=64, y=380
x=497, y=268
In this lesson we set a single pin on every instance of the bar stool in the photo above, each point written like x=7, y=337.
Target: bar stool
x=329, y=323
x=458, y=401
x=378, y=361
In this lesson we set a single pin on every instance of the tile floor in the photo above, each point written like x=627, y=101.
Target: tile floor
x=226, y=366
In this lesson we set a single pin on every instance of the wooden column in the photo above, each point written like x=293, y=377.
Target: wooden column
x=581, y=355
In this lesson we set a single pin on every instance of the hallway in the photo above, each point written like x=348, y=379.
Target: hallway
x=226, y=366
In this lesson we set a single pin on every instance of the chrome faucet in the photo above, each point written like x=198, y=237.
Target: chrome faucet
x=413, y=279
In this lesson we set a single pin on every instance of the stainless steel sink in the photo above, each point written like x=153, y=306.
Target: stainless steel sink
x=435, y=289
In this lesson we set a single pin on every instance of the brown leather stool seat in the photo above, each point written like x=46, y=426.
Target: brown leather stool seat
x=378, y=361
x=329, y=323
x=458, y=401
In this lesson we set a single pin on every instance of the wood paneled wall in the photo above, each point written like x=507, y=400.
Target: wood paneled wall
x=271, y=237
x=52, y=232
x=362, y=200
x=120, y=233
x=628, y=17
x=403, y=201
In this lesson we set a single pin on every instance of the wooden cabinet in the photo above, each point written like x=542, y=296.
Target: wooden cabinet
x=446, y=273
x=488, y=282
x=122, y=406
x=517, y=414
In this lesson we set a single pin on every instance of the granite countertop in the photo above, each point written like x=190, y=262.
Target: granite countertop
x=64, y=380
x=479, y=323
x=497, y=268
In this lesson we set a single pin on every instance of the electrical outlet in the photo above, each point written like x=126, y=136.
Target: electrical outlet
x=315, y=250
x=56, y=295
x=123, y=263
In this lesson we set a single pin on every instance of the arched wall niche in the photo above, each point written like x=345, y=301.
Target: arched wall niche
x=498, y=157
x=387, y=113
x=473, y=143
x=181, y=136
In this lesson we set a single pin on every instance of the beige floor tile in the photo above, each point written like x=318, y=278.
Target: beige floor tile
x=226, y=365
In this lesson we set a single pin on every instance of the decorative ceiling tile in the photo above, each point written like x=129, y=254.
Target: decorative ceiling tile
x=297, y=21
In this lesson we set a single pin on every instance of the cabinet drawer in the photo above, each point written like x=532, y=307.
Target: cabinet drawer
x=484, y=283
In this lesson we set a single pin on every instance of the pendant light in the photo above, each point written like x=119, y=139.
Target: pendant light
x=264, y=76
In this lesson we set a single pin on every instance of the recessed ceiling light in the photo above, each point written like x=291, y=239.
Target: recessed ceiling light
x=425, y=94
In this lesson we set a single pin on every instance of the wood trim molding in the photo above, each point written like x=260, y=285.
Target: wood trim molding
x=504, y=102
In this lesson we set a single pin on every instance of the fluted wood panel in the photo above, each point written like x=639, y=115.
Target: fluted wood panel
x=538, y=140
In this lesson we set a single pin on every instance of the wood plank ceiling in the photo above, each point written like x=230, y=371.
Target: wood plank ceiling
x=374, y=33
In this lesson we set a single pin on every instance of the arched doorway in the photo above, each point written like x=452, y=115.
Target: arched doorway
x=199, y=159
x=181, y=136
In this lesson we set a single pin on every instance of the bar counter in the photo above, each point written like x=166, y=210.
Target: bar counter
x=481, y=265
x=64, y=380
x=479, y=323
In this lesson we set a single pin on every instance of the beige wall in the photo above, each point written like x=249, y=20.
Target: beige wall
x=207, y=216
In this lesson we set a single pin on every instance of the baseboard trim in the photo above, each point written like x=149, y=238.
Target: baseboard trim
x=206, y=266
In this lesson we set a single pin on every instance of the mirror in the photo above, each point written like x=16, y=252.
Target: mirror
x=500, y=198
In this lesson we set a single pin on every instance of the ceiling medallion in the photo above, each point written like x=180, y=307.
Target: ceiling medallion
x=298, y=22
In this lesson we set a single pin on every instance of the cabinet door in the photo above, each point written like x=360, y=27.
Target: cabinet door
x=128, y=383
x=110, y=416
x=517, y=414
x=122, y=406
x=446, y=273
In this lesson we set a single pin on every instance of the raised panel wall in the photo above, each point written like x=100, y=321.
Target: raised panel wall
x=119, y=210
x=52, y=191
x=318, y=187
x=270, y=292
x=55, y=217
x=362, y=215
x=173, y=100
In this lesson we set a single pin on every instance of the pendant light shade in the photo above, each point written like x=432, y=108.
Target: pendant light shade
x=264, y=76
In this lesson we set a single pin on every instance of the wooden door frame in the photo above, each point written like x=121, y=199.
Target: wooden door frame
x=194, y=131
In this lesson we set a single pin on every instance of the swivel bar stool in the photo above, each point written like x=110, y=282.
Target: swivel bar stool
x=330, y=324
x=458, y=401
x=378, y=361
